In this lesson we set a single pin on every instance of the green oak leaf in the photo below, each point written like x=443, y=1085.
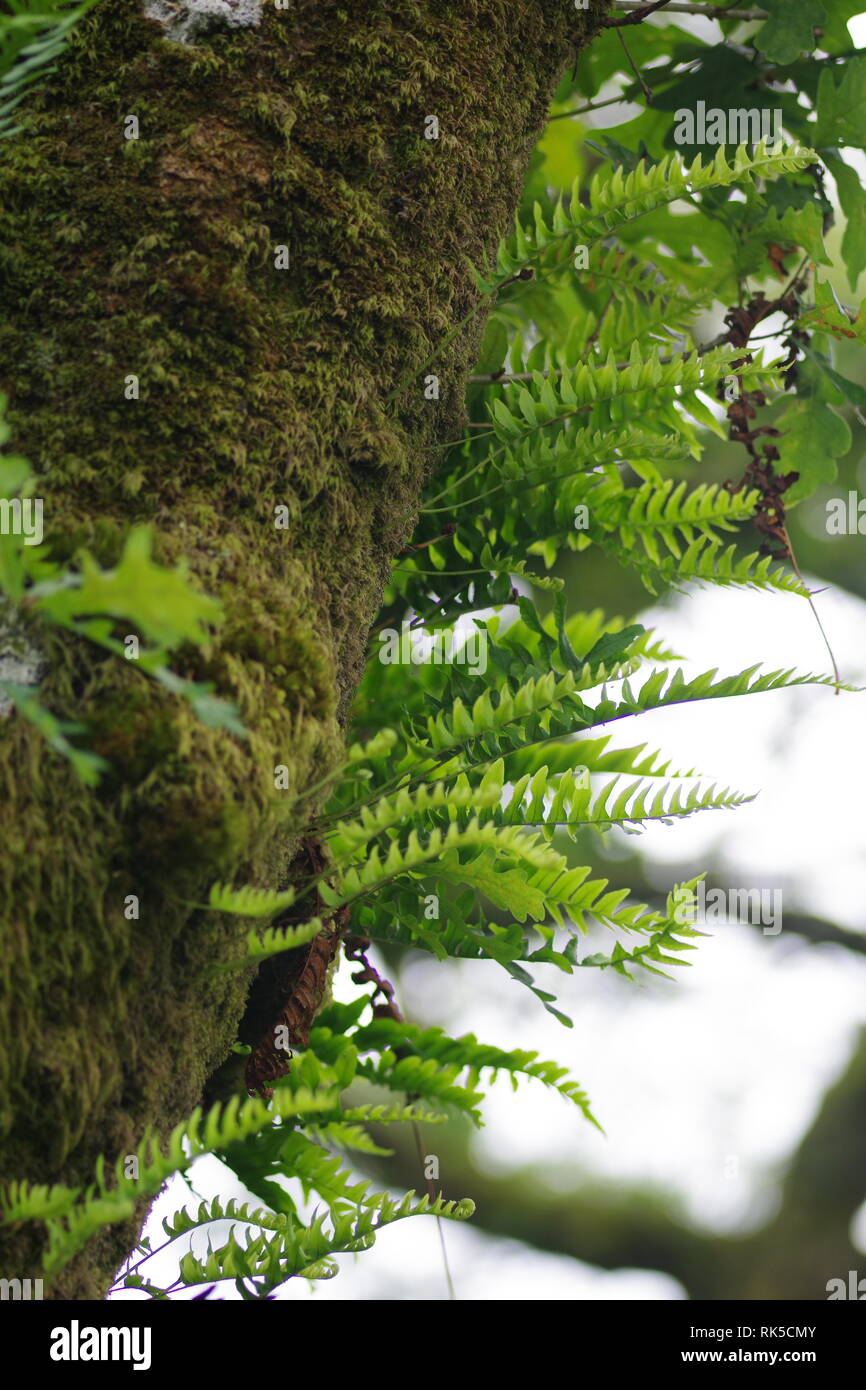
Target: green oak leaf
x=836, y=37
x=505, y=888
x=160, y=601
x=852, y=196
x=789, y=30
x=813, y=437
x=56, y=732
x=842, y=107
x=802, y=226
x=830, y=316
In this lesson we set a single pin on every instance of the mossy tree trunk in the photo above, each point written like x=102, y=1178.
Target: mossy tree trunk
x=259, y=387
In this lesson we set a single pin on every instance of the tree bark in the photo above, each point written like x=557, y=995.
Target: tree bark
x=259, y=387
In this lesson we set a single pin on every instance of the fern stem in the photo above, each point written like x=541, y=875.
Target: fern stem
x=795, y=566
x=431, y=1190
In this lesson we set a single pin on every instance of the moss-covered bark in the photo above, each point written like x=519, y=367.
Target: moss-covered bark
x=259, y=387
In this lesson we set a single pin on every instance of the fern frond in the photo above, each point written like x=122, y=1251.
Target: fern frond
x=405, y=807
x=182, y=1222
x=582, y=901
x=649, y=956
x=552, y=400
x=381, y=1114
x=538, y=696
x=666, y=513
x=285, y=1246
x=24, y=1201
x=75, y=1221
x=294, y=1249
x=535, y=460
x=662, y=689
x=596, y=756
x=272, y=942
x=706, y=562
x=509, y=724
x=568, y=802
x=402, y=859
x=248, y=901
x=670, y=935
x=340, y=1135
x=617, y=199
x=452, y=1056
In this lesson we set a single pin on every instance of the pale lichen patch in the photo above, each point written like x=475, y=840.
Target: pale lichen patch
x=185, y=20
x=21, y=663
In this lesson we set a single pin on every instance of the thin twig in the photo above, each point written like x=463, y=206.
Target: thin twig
x=647, y=90
x=810, y=600
x=449, y=531
x=431, y=1192
x=640, y=10
x=590, y=106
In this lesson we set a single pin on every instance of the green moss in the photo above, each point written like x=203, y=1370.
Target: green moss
x=258, y=387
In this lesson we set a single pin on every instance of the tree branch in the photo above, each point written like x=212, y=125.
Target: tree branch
x=640, y=11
